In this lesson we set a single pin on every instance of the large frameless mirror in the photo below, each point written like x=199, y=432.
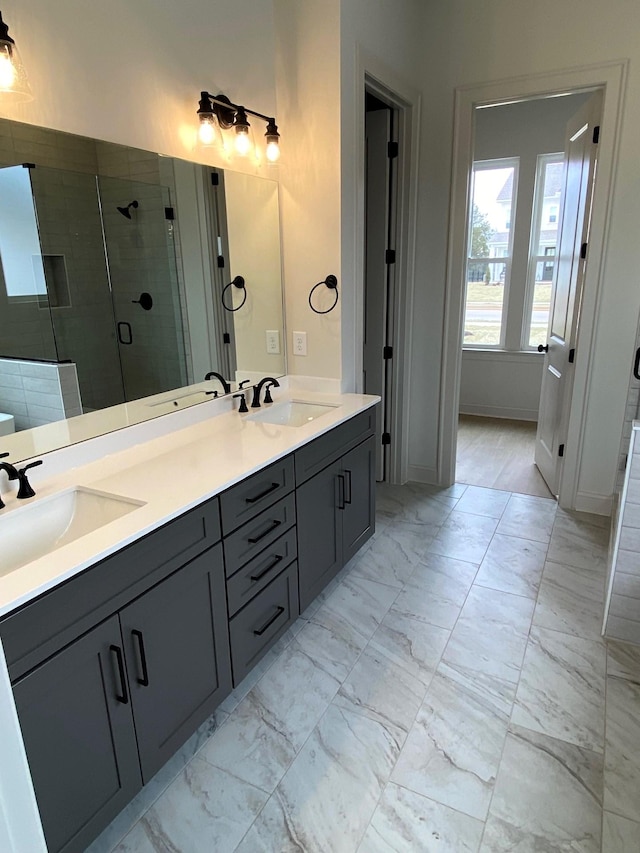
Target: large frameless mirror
x=125, y=278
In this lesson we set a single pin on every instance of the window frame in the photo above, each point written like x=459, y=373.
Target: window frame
x=507, y=260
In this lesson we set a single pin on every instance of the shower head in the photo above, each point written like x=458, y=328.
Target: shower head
x=126, y=211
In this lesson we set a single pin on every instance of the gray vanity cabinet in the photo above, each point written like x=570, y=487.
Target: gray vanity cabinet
x=78, y=731
x=177, y=650
x=335, y=502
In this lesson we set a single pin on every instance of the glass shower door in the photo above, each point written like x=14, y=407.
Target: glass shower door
x=144, y=285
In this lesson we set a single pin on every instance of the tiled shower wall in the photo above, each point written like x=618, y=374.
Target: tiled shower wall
x=38, y=393
x=631, y=413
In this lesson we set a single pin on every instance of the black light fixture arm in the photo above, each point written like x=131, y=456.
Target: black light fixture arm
x=225, y=105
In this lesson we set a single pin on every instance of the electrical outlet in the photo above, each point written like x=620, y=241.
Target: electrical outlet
x=273, y=341
x=299, y=343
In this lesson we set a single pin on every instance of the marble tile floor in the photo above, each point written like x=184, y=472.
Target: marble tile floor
x=449, y=692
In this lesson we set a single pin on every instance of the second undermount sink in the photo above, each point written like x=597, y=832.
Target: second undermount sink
x=45, y=525
x=294, y=413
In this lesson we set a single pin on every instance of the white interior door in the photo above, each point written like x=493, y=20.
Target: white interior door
x=557, y=379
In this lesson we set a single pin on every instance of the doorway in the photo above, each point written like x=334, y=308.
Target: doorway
x=516, y=202
x=585, y=80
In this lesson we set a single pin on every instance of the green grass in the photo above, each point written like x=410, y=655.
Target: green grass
x=481, y=295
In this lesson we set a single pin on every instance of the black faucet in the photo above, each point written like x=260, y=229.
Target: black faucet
x=25, y=490
x=226, y=385
x=255, y=404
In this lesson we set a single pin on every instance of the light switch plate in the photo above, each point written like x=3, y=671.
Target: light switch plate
x=273, y=341
x=299, y=343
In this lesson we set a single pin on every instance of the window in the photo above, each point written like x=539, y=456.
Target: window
x=542, y=247
x=490, y=249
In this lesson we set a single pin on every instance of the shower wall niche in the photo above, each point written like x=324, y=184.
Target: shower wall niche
x=73, y=267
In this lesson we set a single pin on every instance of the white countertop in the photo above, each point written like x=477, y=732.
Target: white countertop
x=170, y=474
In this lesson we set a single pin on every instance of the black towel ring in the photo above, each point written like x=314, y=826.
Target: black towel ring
x=332, y=283
x=238, y=282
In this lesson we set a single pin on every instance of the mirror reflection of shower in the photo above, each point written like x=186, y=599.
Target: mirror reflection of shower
x=126, y=211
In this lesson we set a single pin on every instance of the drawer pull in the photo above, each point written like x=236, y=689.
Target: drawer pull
x=253, y=539
x=267, y=569
x=266, y=492
x=144, y=681
x=347, y=500
x=124, y=696
x=340, y=489
x=260, y=631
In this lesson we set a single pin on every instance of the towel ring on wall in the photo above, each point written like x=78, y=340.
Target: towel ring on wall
x=332, y=283
x=238, y=282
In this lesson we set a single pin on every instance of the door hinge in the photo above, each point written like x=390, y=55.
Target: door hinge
x=387, y=352
x=390, y=256
x=226, y=338
x=169, y=213
x=596, y=134
x=392, y=150
x=583, y=250
x=386, y=438
x=215, y=179
x=561, y=450
x=572, y=355
x=220, y=261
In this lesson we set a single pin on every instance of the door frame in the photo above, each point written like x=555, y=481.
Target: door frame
x=611, y=78
x=392, y=89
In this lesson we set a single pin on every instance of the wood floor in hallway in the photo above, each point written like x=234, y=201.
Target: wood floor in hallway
x=498, y=453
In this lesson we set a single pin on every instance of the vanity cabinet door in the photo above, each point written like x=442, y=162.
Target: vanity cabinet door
x=319, y=522
x=77, y=726
x=358, y=469
x=177, y=652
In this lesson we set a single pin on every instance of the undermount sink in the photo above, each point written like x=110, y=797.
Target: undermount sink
x=293, y=413
x=41, y=527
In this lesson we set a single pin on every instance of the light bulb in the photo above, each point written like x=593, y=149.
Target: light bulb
x=243, y=143
x=273, y=151
x=207, y=130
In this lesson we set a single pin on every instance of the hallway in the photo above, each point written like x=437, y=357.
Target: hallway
x=448, y=692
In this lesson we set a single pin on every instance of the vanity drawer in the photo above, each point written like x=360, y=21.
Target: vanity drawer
x=253, y=537
x=45, y=625
x=262, y=622
x=257, y=573
x=322, y=451
x=248, y=498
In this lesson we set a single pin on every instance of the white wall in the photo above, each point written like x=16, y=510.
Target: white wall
x=467, y=43
x=308, y=82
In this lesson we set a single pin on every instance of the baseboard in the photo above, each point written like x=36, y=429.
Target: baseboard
x=421, y=474
x=596, y=504
x=499, y=412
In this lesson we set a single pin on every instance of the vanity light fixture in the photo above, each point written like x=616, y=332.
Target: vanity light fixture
x=13, y=77
x=218, y=112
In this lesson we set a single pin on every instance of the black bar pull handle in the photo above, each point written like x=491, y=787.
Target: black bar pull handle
x=260, y=631
x=252, y=540
x=267, y=569
x=144, y=681
x=129, y=338
x=123, y=696
x=266, y=492
x=347, y=500
x=340, y=487
x=636, y=364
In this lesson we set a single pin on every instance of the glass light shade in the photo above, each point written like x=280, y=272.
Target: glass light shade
x=209, y=131
x=273, y=151
x=14, y=84
x=243, y=142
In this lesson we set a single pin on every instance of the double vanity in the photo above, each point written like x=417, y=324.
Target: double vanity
x=138, y=589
